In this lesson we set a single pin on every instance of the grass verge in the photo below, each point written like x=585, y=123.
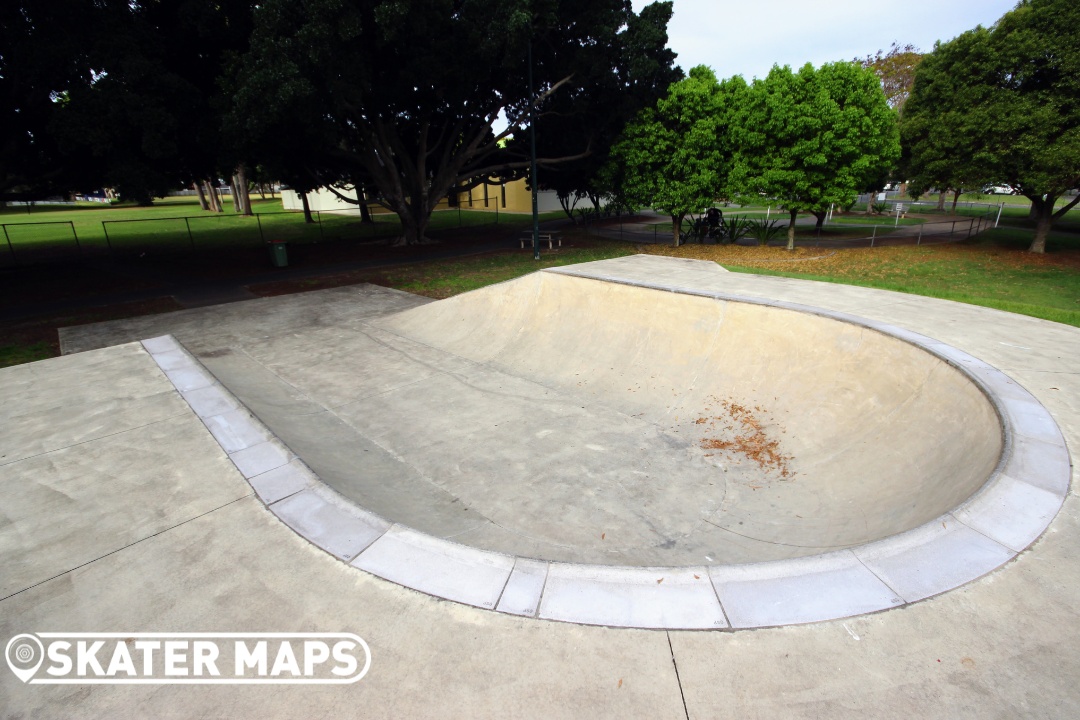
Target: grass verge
x=992, y=270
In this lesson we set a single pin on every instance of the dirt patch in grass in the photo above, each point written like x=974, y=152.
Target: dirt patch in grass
x=442, y=278
x=38, y=339
x=994, y=270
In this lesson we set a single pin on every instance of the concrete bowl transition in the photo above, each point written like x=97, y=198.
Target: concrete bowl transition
x=637, y=455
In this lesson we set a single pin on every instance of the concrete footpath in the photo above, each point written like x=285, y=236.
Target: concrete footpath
x=120, y=513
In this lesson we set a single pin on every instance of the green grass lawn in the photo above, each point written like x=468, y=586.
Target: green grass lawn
x=992, y=270
x=451, y=277
x=880, y=220
x=178, y=223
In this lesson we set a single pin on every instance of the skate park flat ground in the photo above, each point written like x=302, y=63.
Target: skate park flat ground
x=152, y=528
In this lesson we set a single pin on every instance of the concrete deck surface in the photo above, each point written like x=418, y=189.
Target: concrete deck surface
x=121, y=519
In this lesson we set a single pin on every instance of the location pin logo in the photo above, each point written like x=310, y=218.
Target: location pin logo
x=24, y=654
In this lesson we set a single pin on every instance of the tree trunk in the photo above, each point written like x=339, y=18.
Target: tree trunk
x=361, y=197
x=676, y=228
x=870, y=202
x=820, y=215
x=307, y=208
x=262, y=190
x=202, y=196
x=219, y=203
x=955, y=197
x=234, y=190
x=242, y=188
x=941, y=200
x=414, y=221
x=564, y=202
x=791, y=231
x=1043, y=209
x=212, y=197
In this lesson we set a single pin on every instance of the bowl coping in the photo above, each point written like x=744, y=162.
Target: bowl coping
x=1005, y=516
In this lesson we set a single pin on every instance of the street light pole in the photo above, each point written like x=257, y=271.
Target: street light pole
x=532, y=161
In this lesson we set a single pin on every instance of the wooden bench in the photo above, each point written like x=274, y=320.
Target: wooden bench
x=552, y=236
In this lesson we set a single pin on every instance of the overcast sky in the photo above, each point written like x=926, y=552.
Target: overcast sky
x=747, y=37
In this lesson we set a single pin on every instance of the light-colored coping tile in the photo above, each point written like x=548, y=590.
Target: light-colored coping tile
x=174, y=360
x=792, y=592
x=524, y=588
x=162, y=344
x=236, y=429
x=1045, y=465
x=674, y=598
x=438, y=567
x=1013, y=512
x=929, y=560
x=261, y=458
x=189, y=378
x=210, y=401
x=339, y=529
x=1003, y=518
x=282, y=482
x=1030, y=420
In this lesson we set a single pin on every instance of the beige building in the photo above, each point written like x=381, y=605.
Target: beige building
x=513, y=196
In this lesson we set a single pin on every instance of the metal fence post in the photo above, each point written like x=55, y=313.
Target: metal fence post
x=105, y=230
x=919, y=241
x=872, y=236
x=190, y=237
x=8, y=238
x=262, y=238
x=76, y=236
x=318, y=214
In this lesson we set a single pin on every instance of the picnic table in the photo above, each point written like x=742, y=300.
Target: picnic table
x=551, y=236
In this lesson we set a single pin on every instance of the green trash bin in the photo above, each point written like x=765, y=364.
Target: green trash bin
x=279, y=254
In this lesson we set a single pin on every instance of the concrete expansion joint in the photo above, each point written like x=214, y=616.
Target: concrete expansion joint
x=1011, y=510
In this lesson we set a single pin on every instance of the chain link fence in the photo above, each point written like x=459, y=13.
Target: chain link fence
x=27, y=243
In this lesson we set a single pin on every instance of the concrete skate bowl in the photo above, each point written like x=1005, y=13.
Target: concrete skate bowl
x=692, y=429
x=611, y=451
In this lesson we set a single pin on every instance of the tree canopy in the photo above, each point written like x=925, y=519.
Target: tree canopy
x=814, y=137
x=675, y=156
x=112, y=92
x=896, y=70
x=406, y=93
x=1002, y=105
x=600, y=105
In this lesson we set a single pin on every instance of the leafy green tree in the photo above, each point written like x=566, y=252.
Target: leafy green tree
x=814, y=137
x=675, y=157
x=597, y=116
x=113, y=92
x=1008, y=99
x=406, y=93
x=43, y=51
